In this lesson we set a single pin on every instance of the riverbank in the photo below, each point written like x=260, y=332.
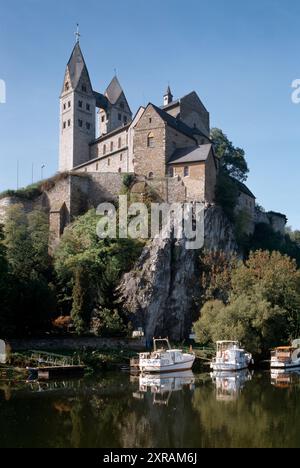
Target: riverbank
x=95, y=353
x=98, y=354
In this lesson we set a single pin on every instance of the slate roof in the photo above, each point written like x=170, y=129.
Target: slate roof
x=174, y=123
x=101, y=100
x=191, y=155
x=113, y=91
x=243, y=188
x=76, y=65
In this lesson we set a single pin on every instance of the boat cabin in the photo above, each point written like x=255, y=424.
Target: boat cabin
x=283, y=353
x=225, y=346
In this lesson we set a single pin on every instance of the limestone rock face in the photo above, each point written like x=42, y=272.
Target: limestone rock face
x=161, y=291
x=219, y=231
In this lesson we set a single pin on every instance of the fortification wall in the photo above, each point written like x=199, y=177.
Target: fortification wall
x=40, y=202
x=276, y=220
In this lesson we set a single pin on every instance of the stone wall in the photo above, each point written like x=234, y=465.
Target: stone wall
x=168, y=189
x=150, y=160
x=115, y=162
x=175, y=140
x=104, y=187
x=276, y=220
x=109, y=144
x=193, y=113
x=40, y=202
x=194, y=182
x=246, y=205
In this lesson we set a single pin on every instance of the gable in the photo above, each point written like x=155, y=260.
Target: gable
x=122, y=98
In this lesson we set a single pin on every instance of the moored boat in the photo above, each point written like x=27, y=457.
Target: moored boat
x=230, y=357
x=286, y=357
x=165, y=359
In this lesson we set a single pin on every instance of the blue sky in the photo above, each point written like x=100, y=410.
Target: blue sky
x=241, y=58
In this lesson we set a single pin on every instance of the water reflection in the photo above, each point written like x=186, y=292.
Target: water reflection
x=163, y=385
x=115, y=410
x=285, y=378
x=230, y=384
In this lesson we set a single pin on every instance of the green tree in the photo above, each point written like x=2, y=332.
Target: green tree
x=103, y=260
x=263, y=308
x=215, y=278
x=265, y=238
x=6, y=324
x=232, y=159
x=38, y=231
x=81, y=306
x=233, y=167
x=19, y=251
x=30, y=294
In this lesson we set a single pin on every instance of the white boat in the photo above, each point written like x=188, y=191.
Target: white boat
x=230, y=357
x=286, y=357
x=165, y=359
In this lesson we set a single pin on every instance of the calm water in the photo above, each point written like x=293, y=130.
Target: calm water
x=183, y=410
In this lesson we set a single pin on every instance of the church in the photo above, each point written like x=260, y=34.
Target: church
x=99, y=134
x=165, y=148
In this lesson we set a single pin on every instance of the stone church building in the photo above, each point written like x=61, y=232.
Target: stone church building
x=167, y=148
x=99, y=134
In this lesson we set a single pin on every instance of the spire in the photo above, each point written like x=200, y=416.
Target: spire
x=114, y=90
x=168, y=96
x=76, y=66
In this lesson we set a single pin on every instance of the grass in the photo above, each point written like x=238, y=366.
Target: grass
x=35, y=190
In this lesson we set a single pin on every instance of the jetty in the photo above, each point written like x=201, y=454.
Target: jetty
x=49, y=366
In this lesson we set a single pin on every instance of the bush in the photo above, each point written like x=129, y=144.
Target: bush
x=128, y=180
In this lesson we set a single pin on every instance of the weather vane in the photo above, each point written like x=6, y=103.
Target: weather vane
x=77, y=33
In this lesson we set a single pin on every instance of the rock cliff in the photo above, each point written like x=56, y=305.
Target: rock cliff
x=161, y=292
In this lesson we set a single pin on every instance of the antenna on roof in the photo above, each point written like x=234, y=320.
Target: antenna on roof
x=77, y=34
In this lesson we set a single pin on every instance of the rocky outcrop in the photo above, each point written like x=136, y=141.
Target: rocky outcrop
x=161, y=292
x=219, y=232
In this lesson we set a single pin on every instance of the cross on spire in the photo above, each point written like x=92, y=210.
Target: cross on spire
x=77, y=33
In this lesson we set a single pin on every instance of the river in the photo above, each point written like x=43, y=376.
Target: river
x=183, y=410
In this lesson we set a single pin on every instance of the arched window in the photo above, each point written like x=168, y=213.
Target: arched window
x=120, y=170
x=186, y=171
x=171, y=171
x=104, y=149
x=108, y=162
x=150, y=140
x=97, y=167
x=150, y=176
x=111, y=146
x=119, y=142
x=67, y=86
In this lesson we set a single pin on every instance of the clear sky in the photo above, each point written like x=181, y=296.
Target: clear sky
x=241, y=58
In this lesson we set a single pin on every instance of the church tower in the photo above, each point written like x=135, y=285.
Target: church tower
x=168, y=97
x=116, y=113
x=77, y=113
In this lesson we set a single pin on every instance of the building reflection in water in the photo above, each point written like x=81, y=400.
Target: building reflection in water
x=163, y=385
x=230, y=384
x=285, y=378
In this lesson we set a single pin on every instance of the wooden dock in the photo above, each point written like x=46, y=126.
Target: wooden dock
x=54, y=366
